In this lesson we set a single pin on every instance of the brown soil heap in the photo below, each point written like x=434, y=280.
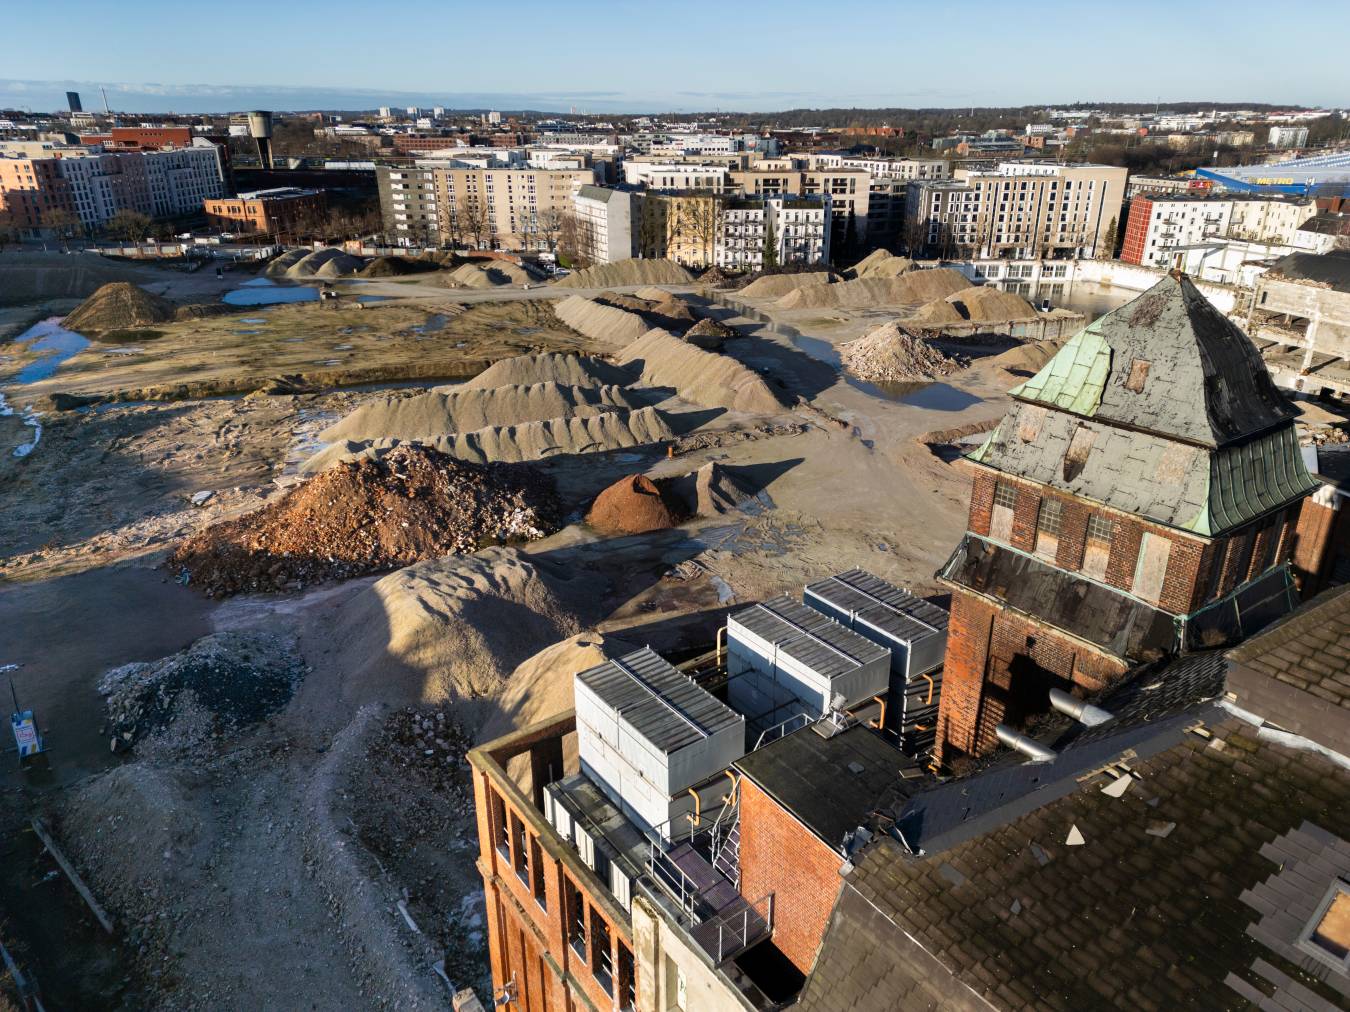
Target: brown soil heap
x=370, y=515
x=117, y=306
x=709, y=334
x=632, y=505
x=890, y=354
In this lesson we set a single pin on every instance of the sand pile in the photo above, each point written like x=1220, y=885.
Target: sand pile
x=322, y=263
x=117, y=306
x=547, y=367
x=775, y=286
x=653, y=294
x=701, y=377
x=366, y=516
x=709, y=334
x=910, y=289
x=340, y=266
x=279, y=265
x=881, y=264
x=890, y=354
x=217, y=686
x=670, y=313
x=541, y=686
x=632, y=505
x=453, y=629
x=613, y=430
x=717, y=490
x=601, y=322
x=1027, y=359
x=397, y=266
x=627, y=272
x=492, y=274
x=438, y=412
x=937, y=313
x=987, y=304
x=203, y=310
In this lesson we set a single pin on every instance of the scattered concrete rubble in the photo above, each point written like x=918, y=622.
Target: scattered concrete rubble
x=219, y=685
x=366, y=516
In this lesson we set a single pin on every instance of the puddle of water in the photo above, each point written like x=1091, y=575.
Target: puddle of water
x=929, y=396
x=372, y=298
x=343, y=347
x=30, y=418
x=246, y=332
x=253, y=319
x=269, y=294
x=58, y=343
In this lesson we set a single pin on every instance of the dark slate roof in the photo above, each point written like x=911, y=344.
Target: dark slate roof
x=1308, y=650
x=1205, y=382
x=832, y=785
x=1111, y=619
x=667, y=708
x=1162, y=907
x=1333, y=464
x=1329, y=269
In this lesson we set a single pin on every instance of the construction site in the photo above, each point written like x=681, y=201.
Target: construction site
x=355, y=602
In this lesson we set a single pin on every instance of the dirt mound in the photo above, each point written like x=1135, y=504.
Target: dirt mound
x=987, y=304
x=627, y=272
x=453, y=629
x=889, y=354
x=670, y=312
x=937, y=313
x=709, y=334
x=366, y=516
x=775, y=286
x=701, y=377
x=203, y=310
x=322, y=263
x=340, y=266
x=633, y=505
x=279, y=265
x=715, y=276
x=492, y=274
x=613, y=430
x=214, y=688
x=547, y=367
x=436, y=413
x=397, y=266
x=881, y=264
x=717, y=490
x=118, y=305
x=911, y=289
x=601, y=322
x=1027, y=359
x=37, y=276
x=653, y=294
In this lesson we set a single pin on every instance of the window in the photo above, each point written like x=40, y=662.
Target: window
x=500, y=830
x=1328, y=934
x=518, y=850
x=1049, y=522
x=1005, y=495
x=537, y=873
x=602, y=959
x=1001, y=516
x=576, y=917
x=1097, y=549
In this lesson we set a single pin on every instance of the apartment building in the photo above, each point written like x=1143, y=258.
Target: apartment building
x=281, y=209
x=1161, y=225
x=1287, y=137
x=849, y=192
x=607, y=221
x=661, y=175
x=1017, y=211
x=87, y=187
x=754, y=233
x=487, y=208
x=892, y=168
x=1166, y=184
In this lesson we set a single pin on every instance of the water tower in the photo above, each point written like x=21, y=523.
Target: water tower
x=260, y=129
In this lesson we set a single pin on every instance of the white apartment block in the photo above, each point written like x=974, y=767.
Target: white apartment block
x=892, y=168
x=1288, y=137
x=607, y=223
x=657, y=175
x=1163, y=226
x=1017, y=211
x=796, y=229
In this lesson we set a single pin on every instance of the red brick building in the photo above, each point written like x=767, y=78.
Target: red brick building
x=282, y=210
x=1140, y=499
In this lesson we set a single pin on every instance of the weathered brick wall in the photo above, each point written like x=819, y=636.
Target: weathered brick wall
x=781, y=856
x=968, y=631
x=1025, y=511
x=981, y=503
x=1312, y=537
x=1125, y=539
x=1073, y=535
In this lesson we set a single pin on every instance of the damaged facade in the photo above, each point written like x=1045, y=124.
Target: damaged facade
x=1140, y=499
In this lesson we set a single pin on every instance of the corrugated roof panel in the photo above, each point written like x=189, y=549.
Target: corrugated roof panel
x=807, y=636
x=1074, y=379
x=666, y=708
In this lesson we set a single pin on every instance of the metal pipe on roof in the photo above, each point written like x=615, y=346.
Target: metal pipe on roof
x=1084, y=713
x=1029, y=747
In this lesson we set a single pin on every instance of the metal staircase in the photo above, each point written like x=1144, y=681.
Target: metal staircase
x=724, y=842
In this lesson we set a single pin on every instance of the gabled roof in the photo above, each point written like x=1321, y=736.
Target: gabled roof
x=1167, y=363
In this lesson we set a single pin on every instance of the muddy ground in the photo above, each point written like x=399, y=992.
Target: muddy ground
x=285, y=856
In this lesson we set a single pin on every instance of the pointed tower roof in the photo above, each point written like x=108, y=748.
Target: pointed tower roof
x=1166, y=363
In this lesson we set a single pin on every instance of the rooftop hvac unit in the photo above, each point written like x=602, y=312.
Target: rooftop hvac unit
x=586, y=847
x=557, y=812
x=621, y=885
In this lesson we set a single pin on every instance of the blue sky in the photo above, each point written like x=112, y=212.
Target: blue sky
x=603, y=56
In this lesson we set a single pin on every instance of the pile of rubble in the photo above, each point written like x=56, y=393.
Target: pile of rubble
x=211, y=690
x=890, y=354
x=369, y=515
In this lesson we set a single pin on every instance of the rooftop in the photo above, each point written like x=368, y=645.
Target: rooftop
x=882, y=605
x=1332, y=270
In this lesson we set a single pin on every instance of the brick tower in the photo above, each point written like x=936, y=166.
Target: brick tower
x=1138, y=500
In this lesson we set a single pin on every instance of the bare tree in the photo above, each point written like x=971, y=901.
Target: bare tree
x=576, y=241
x=473, y=220
x=549, y=224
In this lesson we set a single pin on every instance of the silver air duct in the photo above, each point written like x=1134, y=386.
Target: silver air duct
x=1029, y=747
x=1084, y=713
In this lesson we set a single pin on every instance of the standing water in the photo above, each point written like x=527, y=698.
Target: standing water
x=56, y=345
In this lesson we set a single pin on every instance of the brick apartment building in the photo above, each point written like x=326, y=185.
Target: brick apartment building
x=283, y=209
x=1139, y=500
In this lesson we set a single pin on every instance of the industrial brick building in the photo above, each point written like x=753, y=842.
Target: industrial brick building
x=1138, y=501
x=280, y=210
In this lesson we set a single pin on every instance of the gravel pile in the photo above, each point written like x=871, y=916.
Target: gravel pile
x=214, y=688
x=633, y=505
x=627, y=272
x=601, y=322
x=370, y=515
x=889, y=354
x=117, y=306
x=708, y=334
